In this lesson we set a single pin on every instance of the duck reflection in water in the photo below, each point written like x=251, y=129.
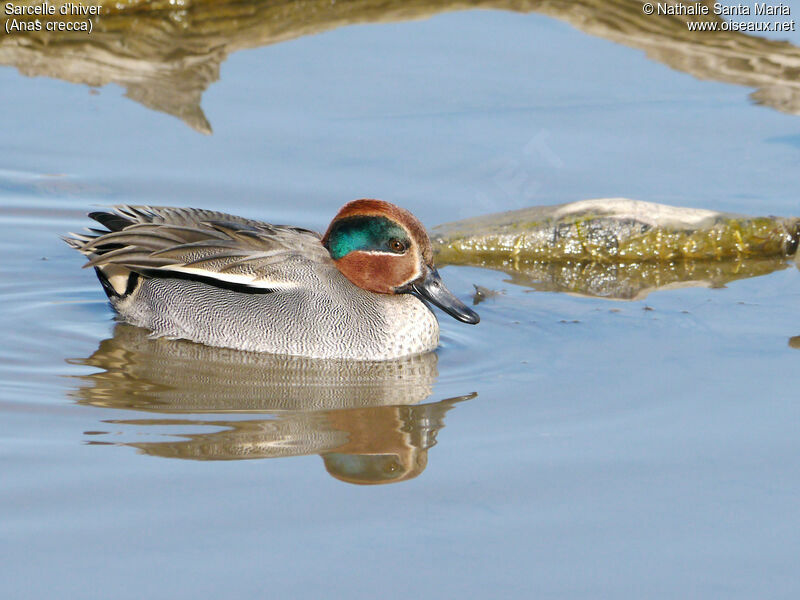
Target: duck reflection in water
x=363, y=418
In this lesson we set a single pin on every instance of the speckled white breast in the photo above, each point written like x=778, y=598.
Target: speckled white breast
x=331, y=319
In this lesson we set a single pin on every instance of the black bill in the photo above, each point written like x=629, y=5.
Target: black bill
x=431, y=288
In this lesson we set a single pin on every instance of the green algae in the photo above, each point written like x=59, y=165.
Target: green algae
x=635, y=281
x=619, y=248
x=609, y=231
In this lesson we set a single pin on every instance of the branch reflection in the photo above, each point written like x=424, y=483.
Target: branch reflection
x=165, y=54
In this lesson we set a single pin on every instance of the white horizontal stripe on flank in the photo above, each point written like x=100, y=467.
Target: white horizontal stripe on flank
x=231, y=278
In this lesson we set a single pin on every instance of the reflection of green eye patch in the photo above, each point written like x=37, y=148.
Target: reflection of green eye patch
x=364, y=233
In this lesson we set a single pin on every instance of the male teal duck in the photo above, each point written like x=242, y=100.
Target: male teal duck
x=358, y=292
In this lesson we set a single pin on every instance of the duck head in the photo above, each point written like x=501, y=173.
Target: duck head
x=384, y=249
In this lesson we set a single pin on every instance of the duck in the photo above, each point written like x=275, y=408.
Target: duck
x=361, y=291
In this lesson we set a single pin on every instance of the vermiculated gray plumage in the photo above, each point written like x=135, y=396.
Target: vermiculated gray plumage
x=232, y=282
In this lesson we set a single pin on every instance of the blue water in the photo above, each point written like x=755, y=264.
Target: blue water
x=642, y=449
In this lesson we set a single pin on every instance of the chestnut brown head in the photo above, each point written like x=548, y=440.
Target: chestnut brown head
x=384, y=249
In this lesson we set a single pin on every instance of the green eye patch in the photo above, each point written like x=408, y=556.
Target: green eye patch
x=364, y=233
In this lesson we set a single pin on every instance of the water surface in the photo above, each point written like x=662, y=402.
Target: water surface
x=585, y=448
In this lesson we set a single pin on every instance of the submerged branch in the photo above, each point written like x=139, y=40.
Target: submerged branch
x=619, y=248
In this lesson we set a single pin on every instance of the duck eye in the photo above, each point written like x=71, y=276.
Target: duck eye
x=397, y=246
